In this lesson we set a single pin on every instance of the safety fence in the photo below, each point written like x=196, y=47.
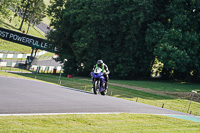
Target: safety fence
x=9, y=64
x=45, y=69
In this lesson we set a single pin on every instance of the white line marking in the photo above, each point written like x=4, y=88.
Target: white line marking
x=87, y=113
x=54, y=114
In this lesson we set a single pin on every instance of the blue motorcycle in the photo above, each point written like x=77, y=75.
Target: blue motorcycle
x=98, y=82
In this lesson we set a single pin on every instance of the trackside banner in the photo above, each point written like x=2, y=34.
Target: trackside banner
x=27, y=40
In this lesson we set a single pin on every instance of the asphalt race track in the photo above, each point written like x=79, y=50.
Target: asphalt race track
x=23, y=96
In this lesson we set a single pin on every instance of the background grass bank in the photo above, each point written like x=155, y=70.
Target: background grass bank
x=14, y=25
x=162, y=85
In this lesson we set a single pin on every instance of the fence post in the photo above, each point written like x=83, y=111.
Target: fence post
x=85, y=88
x=193, y=92
x=163, y=105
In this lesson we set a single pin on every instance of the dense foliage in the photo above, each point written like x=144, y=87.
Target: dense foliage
x=6, y=5
x=178, y=45
x=128, y=35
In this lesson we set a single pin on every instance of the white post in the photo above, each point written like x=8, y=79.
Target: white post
x=61, y=69
x=191, y=99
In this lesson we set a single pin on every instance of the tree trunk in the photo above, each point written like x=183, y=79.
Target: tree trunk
x=196, y=76
x=24, y=15
x=28, y=27
x=22, y=20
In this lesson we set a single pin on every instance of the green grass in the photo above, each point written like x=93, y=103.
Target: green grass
x=13, y=69
x=112, y=123
x=16, y=59
x=125, y=93
x=169, y=102
x=161, y=85
x=5, y=74
x=47, y=19
x=9, y=46
x=16, y=24
x=46, y=56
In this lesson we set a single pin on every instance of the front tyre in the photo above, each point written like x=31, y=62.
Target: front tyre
x=105, y=91
x=95, y=87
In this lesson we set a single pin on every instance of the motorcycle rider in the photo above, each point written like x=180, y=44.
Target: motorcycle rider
x=105, y=71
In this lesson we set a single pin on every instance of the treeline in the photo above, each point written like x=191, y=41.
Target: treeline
x=129, y=36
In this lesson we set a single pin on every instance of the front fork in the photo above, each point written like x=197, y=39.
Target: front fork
x=102, y=85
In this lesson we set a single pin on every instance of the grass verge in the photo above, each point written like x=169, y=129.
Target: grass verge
x=8, y=69
x=113, y=123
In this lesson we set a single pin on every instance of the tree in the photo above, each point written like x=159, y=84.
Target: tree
x=6, y=5
x=129, y=35
x=25, y=5
x=32, y=10
x=55, y=10
x=104, y=29
x=178, y=39
x=37, y=13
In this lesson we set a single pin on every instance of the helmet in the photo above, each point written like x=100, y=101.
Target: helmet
x=99, y=63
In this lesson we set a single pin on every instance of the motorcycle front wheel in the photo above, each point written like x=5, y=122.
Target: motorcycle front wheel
x=105, y=91
x=95, y=87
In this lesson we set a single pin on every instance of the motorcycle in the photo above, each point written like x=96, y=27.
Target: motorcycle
x=98, y=82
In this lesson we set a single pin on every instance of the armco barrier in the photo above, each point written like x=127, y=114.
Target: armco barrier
x=45, y=68
x=2, y=55
x=9, y=64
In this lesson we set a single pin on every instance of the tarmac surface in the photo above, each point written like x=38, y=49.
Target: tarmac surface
x=43, y=27
x=32, y=97
x=19, y=96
